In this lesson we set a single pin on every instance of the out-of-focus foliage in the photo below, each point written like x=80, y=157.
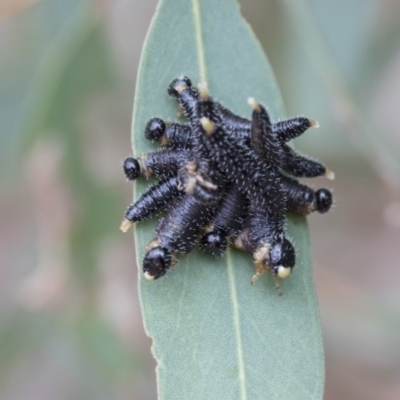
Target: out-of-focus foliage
x=9, y=8
x=70, y=325
x=49, y=133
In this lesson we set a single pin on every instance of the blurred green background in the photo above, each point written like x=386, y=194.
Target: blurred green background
x=70, y=323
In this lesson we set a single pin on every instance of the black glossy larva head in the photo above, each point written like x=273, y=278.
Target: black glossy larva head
x=308, y=197
x=155, y=129
x=324, y=200
x=156, y=263
x=179, y=82
x=131, y=168
x=214, y=244
x=282, y=257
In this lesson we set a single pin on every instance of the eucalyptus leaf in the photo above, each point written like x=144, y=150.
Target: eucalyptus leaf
x=216, y=336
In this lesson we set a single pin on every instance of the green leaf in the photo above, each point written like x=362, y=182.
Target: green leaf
x=216, y=336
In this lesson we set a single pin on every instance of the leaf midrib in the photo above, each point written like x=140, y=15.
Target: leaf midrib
x=231, y=272
x=199, y=40
x=236, y=322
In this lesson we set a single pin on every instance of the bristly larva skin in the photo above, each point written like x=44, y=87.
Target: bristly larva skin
x=240, y=130
x=293, y=128
x=223, y=181
x=165, y=162
x=199, y=179
x=154, y=200
x=257, y=176
x=176, y=233
x=265, y=222
x=301, y=167
x=161, y=163
x=264, y=141
x=228, y=221
x=186, y=218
